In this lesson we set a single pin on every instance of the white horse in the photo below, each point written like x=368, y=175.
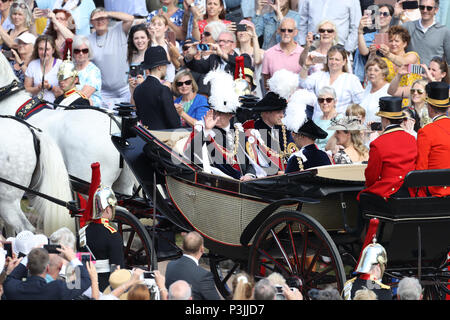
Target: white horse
x=47, y=174
x=83, y=136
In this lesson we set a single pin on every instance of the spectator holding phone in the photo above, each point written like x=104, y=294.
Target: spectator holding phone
x=365, y=40
x=89, y=75
x=22, y=20
x=405, y=11
x=138, y=42
x=437, y=70
x=314, y=56
x=61, y=27
x=269, y=23
x=190, y=106
x=428, y=37
x=395, y=56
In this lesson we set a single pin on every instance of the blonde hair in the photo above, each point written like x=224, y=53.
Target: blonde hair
x=336, y=38
x=180, y=74
x=243, y=286
x=355, y=110
x=356, y=137
x=138, y=292
x=365, y=294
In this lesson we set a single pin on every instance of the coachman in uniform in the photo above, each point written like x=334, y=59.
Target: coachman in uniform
x=370, y=271
x=392, y=155
x=103, y=240
x=433, y=140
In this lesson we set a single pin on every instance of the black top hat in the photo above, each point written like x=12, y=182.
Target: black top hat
x=312, y=130
x=437, y=94
x=270, y=102
x=154, y=57
x=391, y=108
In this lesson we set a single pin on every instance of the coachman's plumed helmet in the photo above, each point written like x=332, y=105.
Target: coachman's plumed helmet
x=103, y=198
x=67, y=68
x=372, y=254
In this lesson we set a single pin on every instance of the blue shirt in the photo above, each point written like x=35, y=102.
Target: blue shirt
x=267, y=26
x=360, y=60
x=199, y=106
x=176, y=18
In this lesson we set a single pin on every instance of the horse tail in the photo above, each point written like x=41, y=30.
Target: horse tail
x=51, y=178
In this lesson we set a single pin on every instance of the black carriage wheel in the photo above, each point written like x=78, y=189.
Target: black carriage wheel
x=299, y=248
x=137, y=244
x=222, y=274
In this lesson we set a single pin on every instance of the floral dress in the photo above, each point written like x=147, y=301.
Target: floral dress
x=92, y=77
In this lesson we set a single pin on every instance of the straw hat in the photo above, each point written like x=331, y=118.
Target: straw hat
x=118, y=278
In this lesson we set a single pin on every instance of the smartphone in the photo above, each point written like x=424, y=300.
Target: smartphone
x=135, y=71
x=149, y=275
x=241, y=27
x=415, y=68
x=8, y=248
x=316, y=60
x=410, y=4
x=51, y=248
x=376, y=126
x=170, y=36
x=202, y=47
x=85, y=257
x=381, y=38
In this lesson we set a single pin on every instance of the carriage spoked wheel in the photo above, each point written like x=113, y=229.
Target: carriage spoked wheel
x=222, y=269
x=137, y=243
x=436, y=283
x=299, y=248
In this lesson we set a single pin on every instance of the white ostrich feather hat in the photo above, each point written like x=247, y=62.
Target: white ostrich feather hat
x=284, y=83
x=295, y=114
x=223, y=97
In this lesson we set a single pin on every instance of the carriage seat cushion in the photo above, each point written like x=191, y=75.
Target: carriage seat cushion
x=175, y=140
x=401, y=208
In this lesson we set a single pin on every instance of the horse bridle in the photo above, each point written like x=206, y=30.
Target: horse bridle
x=10, y=89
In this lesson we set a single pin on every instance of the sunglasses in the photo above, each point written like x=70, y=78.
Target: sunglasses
x=77, y=51
x=288, y=30
x=326, y=30
x=385, y=14
x=419, y=91
x=20, y=5
x=328, y=100
x=207, y=34
x=180, y=83
x=429, y=8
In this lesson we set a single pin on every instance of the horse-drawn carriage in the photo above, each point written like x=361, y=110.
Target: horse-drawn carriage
x=305, y=225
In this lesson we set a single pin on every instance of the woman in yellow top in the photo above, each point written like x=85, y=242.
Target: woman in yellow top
x=396, y=57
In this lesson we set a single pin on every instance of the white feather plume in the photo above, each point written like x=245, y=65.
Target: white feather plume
x=284, y=83
x=222, y=97
x=295, y=114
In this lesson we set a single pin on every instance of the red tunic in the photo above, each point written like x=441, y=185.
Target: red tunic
x=433, y=146
x=392, y=155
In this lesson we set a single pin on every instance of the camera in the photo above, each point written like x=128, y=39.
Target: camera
x=135, y=71
x=51, y=248
x=241, y=27
x=8, y=248
x=202, y=47
x=316, y=37
x=279, y=295
x=149, y=275
x=415, y=68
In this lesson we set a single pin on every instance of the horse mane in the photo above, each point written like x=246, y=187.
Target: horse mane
x=6, y=71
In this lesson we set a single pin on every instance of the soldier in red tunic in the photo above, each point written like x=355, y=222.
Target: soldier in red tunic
x=433, y=140
x=392, y=155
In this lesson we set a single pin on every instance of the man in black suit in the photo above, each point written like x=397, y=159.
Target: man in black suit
x=186, y=268
x=35, y=287
x=154, y=101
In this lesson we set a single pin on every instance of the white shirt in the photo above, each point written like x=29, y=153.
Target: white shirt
x=347, y=86
x=191, y=257
x=34, y=71
x=370, y=102
x=425, y=29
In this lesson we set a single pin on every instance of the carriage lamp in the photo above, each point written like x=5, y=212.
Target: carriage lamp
x=127, y=113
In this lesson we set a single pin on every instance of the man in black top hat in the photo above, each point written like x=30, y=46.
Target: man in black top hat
x=309, y=156
x=433, y=140
x=269, y=143
x=392, y=155
x=154, y=101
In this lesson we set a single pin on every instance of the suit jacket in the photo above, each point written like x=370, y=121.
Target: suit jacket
x=37, y=288
x=310, y=156
x=433, y=147
x=392, y=155
x=154, y=105
x=201, y=280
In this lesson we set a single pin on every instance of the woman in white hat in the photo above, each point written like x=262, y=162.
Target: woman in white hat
x=348, y=135
x=22, y=56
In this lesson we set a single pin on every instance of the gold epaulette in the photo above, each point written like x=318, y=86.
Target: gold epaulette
x=106, y=224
